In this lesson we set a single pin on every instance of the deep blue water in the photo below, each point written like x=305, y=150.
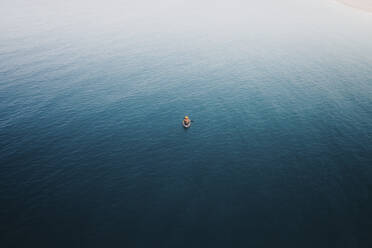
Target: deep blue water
x=93, y=153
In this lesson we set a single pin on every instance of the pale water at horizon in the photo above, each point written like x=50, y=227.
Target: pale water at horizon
x=93, y=154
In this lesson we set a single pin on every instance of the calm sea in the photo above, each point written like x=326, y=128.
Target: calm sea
x=93, y=154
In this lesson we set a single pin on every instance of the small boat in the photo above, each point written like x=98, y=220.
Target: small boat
x=186, y=125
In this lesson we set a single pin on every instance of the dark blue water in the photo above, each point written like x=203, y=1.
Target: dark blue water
x=93, y=153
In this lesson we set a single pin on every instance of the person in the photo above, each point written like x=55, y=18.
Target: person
x=186, y=120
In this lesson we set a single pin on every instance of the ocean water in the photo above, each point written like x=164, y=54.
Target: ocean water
x=93, y=154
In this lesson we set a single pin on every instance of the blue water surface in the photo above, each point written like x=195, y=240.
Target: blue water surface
x=93, y=153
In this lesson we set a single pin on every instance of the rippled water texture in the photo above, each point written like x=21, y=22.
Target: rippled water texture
x=93, y=154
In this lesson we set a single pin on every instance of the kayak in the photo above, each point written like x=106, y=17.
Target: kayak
x=186, y=125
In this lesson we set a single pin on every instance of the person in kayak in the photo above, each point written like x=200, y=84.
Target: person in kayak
x=186, y=120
